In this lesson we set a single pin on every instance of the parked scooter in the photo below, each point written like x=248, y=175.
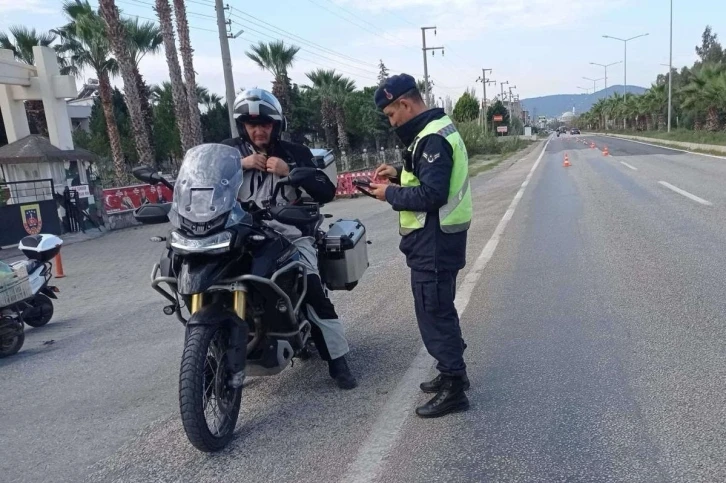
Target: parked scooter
x=25, y=296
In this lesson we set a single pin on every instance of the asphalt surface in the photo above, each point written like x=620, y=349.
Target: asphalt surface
x=596, y=347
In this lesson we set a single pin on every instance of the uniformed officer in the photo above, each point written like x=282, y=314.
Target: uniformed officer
x=432, y=195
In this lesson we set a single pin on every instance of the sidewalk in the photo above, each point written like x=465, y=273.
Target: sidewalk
x=10, y=253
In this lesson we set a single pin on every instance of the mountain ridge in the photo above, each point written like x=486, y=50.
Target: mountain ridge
x=555, y=105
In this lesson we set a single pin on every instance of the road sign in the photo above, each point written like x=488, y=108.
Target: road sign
x=498, y=118
x=502, y=129
x=82, y=190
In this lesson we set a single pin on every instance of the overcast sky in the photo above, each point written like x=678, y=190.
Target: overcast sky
x=541, y=46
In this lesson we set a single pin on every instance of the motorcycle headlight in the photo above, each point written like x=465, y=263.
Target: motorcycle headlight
x=217, y=243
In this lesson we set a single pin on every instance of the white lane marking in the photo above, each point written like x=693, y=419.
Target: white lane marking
x=387, y=427
x=663, y=146
x=685, y=193
x=628, y=166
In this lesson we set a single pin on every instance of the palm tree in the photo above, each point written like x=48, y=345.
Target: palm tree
x=598, y=111
x=185, y=47
x=84, y=40
x=333, y=89
x=22, y=47
x=322, y=81
x=181, y=106
x=276, y=57
x=145, y=38
x=118, y=36
x=707, y=92
x=207, y=99
x=342, y=88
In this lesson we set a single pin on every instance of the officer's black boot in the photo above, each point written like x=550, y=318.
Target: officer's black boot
x=339, y=370
x=450, y=398
x=433, y=386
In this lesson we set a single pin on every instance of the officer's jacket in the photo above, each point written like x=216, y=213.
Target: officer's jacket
x=429, y=248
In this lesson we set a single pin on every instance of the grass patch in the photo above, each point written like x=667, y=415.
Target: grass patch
x=682, y=135
x=481, y=163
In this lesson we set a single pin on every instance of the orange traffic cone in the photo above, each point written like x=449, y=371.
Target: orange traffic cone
x=567, y=161
x=592, y=145
x=59, y=267
x=605, y=151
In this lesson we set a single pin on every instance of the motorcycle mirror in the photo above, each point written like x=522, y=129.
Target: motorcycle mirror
x=153, y=213
x=148, y=175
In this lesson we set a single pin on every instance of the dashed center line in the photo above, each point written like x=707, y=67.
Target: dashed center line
x=628, y=166
x=685, y=193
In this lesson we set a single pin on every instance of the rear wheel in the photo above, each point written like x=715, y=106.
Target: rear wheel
x=40, y=312
x=209, y=407
x=11, y=345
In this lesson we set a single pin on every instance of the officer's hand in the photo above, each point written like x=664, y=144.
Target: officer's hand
x=277, y=166
x=255, y=161
x=385, y=171
x=379, y=190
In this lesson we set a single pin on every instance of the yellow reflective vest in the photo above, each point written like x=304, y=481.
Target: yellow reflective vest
x=455, y=215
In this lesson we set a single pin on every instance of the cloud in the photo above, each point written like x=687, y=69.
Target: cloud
x=28, y=6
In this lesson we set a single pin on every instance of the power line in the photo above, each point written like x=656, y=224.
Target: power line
x=156, y=21
x=316, y=62
x=314, y=53
x=368, y=71
x=360, y=26
x=301, y=39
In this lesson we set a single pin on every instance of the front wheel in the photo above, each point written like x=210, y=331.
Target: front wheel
x=209, y=407
x=40, y=311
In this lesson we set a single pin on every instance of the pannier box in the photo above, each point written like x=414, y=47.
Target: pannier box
x=344, y=255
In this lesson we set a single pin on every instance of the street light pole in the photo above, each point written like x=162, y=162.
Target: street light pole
x=625, y=57
x=510, y=100
x=594, y=83
x=587, y=91
x=670, y=73
x=424, y=49
x=606, y=72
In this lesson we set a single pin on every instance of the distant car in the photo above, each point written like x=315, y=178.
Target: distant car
x=574, y=131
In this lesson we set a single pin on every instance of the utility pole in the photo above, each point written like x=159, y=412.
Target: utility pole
x=670, y=74
x=484, y=82
x=426, y=67
x=226, y=64
x=510, y=100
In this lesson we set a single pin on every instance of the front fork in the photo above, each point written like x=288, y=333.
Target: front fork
x=238, y=334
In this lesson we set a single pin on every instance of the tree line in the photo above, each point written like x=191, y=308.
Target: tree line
x=698, y=97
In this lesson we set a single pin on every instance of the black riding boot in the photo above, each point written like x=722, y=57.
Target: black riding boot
x=339, y=370
x=450, y=398
x=433, y=386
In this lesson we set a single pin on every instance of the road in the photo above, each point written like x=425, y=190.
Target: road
x=594, y=320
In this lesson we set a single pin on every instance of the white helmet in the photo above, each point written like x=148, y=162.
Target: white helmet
x=259, y=105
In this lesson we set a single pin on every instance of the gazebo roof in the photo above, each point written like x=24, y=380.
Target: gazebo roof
x=37, y=149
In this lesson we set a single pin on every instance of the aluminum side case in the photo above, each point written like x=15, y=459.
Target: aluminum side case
x=343, y=256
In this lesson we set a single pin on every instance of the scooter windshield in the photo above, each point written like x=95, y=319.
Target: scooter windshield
x=207, y=184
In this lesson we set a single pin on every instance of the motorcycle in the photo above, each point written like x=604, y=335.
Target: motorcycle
x=25, y=295
x=242, y=283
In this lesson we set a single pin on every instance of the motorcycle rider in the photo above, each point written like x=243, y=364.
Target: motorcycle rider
x=265, y=159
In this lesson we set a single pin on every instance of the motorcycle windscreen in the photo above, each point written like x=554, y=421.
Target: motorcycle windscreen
x=207, y=184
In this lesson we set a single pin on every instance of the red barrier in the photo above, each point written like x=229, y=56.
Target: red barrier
x=345, y=182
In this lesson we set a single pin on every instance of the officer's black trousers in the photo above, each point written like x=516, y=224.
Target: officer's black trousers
x=438, y=321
